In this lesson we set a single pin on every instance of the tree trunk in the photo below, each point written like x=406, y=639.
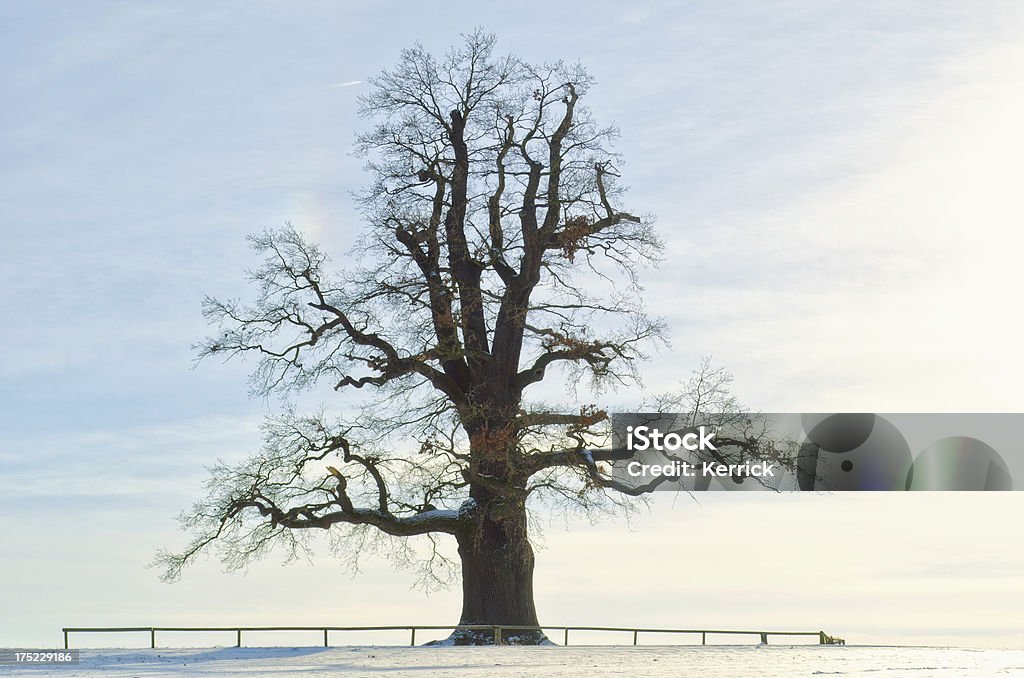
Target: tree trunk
x=497, y=579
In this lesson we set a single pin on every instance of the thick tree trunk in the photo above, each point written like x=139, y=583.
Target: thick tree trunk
x=497, y=580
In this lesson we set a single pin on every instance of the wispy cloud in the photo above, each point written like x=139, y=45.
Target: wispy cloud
x=351, y=83
x=128, y=461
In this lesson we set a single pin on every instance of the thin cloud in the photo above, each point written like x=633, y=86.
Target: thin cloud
x=339, y=85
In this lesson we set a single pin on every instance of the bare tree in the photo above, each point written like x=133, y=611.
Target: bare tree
x=496, y=251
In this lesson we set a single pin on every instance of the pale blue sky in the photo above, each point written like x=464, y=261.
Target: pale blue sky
x=838, y=185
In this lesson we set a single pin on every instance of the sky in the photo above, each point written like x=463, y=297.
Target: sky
x=838, y=187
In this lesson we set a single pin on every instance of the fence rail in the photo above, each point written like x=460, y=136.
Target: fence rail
x=497, y=629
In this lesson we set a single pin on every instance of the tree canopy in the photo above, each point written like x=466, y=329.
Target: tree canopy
x=496, y=250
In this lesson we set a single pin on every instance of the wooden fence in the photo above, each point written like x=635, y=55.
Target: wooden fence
x=499, y=631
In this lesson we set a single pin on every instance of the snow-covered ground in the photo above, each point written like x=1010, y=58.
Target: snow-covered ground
x=581, y=661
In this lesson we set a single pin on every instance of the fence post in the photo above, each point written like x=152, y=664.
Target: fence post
x=325, y=637
x=497, y=635
x=565, y=641
x=65, y=639
x=412, y=640
x=152, y=638
x=821, y=638
x=703, y=637
x=238, y=637
x=634, y=636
